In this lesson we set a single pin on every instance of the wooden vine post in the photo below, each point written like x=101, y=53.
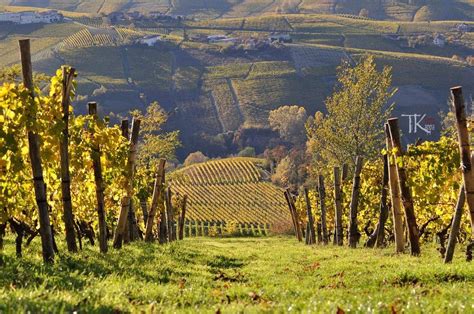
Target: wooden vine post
x=456, y=224
x=338, y=206
x=465, y=151
x=397, y=213
x=130, y=171
x=68, y=216
x=131, y=228
x=310, y=231
x=35, y=158
x=322, y=202
x=407, y=200
x=383, y=205
x=99, y=182
x=291, y=201
x=157, y=195
x=182, y=218
x=354, y=234
x=124, y=127
x=378, y=236
x=292, y=213
x=169, y=215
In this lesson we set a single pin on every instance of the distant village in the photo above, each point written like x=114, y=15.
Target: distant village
x=31, y=17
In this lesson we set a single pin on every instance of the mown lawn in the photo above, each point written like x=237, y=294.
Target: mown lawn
x=274, y=274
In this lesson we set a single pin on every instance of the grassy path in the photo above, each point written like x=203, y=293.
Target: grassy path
x=273, y=274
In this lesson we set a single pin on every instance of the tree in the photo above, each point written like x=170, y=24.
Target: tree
x=364, y=13
x=154, y=142
x=195, y=158
x=289, y=121
x=247, y=152
x=356, y=112
x=291, y=170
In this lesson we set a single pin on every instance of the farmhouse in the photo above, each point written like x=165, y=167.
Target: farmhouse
x=439, y=40
x=463, y=28
x=30, y=17
x=150, y=40
x=281, y=38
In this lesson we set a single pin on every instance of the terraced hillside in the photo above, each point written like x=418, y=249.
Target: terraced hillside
x=385, y=9
x=227, y=94
x=231, y=191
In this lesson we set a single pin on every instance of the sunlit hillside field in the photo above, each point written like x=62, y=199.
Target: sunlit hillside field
x=266, y=274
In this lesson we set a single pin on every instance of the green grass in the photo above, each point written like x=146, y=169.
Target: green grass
x=274, y=274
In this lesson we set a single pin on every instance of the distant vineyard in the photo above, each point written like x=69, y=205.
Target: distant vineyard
x=230, y=191
x=88, y=38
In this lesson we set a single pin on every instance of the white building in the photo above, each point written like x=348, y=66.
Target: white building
x=30, y=17
x=150, y=40
x=282, y=38
x=439, y=40
x=463, y=28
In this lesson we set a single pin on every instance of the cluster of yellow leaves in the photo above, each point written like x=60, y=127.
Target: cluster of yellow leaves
x=19, y=113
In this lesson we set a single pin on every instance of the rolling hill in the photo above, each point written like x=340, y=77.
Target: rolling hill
x=386, y=9
x=231, y=191
x=228, y=93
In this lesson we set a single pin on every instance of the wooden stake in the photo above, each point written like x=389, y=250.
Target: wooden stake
x=383, y=205
x=130, y=170
x=68, y=217
x=322, y=202
x=169, y=214
x=299, y=231
x=378, y=236
x=397, y=214
x=464, y=149
x=163, y=227
x=99, y=183
x=338, y=207
x=407, y=199
x=182, y=218
x=157, y=195
x=354, y=234
x=293, y=218
x=311, y=236
x=456, y=224
x=35, y=159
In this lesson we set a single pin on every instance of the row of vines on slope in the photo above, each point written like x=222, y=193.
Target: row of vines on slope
x=434, y=181
x=28, y=115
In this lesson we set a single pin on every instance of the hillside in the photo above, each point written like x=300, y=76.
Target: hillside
x=385, y=9
x=228, y=90
x=231, y=191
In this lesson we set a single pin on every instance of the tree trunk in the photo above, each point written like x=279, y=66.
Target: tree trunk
x=311, y=236
x=322, y=201
x=130, y=171
x=338, y=207
x=68, y=216
x=35, y=159
x=157, y=195
x=99, y=184
x=354, y=234
x=397, y=214
x=407, y=199
x=456, y=224
x=465, y=151
x=182, y=218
